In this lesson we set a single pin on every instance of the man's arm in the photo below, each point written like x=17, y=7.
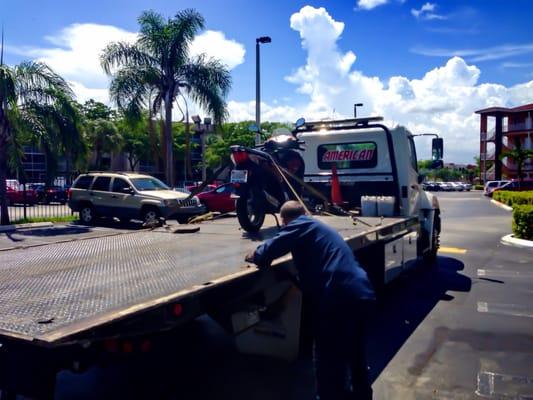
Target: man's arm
x=284, y=241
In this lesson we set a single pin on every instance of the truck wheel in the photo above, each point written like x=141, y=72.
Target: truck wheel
x=87, y=214
x=150, y=216
x=250, y=218
x=431, y=256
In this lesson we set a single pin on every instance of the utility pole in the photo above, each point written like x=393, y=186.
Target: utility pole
x=262, y=39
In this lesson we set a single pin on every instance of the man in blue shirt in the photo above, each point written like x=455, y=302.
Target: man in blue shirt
x=341, y=296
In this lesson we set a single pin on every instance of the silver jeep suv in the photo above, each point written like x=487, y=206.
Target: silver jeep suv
x=129, y=196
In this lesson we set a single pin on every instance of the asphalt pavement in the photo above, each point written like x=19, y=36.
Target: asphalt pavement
x=460, y=330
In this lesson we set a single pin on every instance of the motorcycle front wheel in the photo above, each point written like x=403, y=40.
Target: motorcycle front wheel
x=250, y=214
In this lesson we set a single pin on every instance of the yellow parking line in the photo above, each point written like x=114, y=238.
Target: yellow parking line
x=453, y=250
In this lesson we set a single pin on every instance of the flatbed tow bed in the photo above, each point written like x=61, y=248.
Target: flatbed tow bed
x=73, y=295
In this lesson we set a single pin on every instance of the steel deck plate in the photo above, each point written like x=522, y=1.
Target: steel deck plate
x=46, y=288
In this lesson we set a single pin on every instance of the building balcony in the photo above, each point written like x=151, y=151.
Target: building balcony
x=488, y=136
x=487, y=156
x=519, y=127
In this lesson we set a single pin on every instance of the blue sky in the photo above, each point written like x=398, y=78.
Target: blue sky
x=427, y=65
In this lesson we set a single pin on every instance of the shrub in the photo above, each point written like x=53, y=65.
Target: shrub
x=523, y=221
x=513, y=198
x=479, y=187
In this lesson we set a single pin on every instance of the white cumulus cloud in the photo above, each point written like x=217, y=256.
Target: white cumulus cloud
x=74, y=53
x=427, y=12
x=443, y=100
x=215, y=44
x=370, y=4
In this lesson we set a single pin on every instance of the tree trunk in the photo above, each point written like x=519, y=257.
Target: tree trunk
x=169, y=170
x=4, y=215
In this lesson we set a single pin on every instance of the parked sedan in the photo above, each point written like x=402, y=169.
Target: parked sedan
x=219, y=199
x=445, y=186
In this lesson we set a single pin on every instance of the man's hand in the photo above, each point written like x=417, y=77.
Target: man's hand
x=250, y=257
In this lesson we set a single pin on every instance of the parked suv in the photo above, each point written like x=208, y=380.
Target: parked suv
x=129, y=196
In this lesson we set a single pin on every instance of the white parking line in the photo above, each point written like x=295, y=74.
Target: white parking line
x=513, y=310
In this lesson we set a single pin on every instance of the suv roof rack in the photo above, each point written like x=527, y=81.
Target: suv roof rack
x=339, y=124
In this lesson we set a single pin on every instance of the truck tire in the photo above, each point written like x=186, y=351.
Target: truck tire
x=249, y=217
x=87, y=215
x=431, y=256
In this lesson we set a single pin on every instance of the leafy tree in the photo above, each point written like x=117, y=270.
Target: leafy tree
x=232, y=133
x=519, y=155
x=94, y=110
x=25, y=90
x=135, y=140
x=104, y=138
x=158, y=64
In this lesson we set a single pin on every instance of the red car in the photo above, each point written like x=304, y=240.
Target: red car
x=219, y=199
x=207, y=188
x=17, y=196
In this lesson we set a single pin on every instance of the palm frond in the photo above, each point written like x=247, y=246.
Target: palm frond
x=7, y=85
x=183, y=29
x=131, y=86
x=121, y=53
x=209, y=83
x=34, y=80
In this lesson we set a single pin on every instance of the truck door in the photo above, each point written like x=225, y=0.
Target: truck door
x=413, y=188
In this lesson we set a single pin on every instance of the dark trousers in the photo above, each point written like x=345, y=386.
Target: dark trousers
x=340, y=350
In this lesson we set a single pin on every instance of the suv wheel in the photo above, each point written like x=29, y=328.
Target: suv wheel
x=87, y=214
x=150, y=216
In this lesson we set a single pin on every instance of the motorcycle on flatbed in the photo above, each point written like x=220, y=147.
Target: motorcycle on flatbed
x=261, y=178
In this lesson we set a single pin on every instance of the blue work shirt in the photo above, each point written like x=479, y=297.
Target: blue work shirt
x=325, y=263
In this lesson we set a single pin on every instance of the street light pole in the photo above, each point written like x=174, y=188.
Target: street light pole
x=262, y=39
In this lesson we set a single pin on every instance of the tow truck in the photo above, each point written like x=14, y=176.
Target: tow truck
x=70, y=304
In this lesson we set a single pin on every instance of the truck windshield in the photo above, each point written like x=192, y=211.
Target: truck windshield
x=148, y=184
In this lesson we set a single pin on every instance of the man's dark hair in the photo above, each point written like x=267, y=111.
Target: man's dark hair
x=291, y=210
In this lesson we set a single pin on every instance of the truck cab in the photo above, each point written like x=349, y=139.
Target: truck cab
x=371, y=160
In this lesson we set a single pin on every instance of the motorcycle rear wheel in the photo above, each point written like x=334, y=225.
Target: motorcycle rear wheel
x=250, y=218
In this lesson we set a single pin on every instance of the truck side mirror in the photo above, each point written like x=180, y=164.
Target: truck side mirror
x=437, y=149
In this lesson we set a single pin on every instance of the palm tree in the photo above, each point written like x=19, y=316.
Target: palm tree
x=63, y=132
x=519, y=155
x=159, y=62
x=24, y=90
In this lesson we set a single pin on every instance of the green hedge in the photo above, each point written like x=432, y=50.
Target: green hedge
x=513, y=198
x=523, y=221
x=479, y=187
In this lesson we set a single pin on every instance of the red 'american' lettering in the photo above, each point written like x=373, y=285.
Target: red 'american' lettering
x=348, y=155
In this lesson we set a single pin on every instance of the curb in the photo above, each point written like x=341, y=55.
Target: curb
x=512, y=241
x=501, y=205
x=11, y=228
